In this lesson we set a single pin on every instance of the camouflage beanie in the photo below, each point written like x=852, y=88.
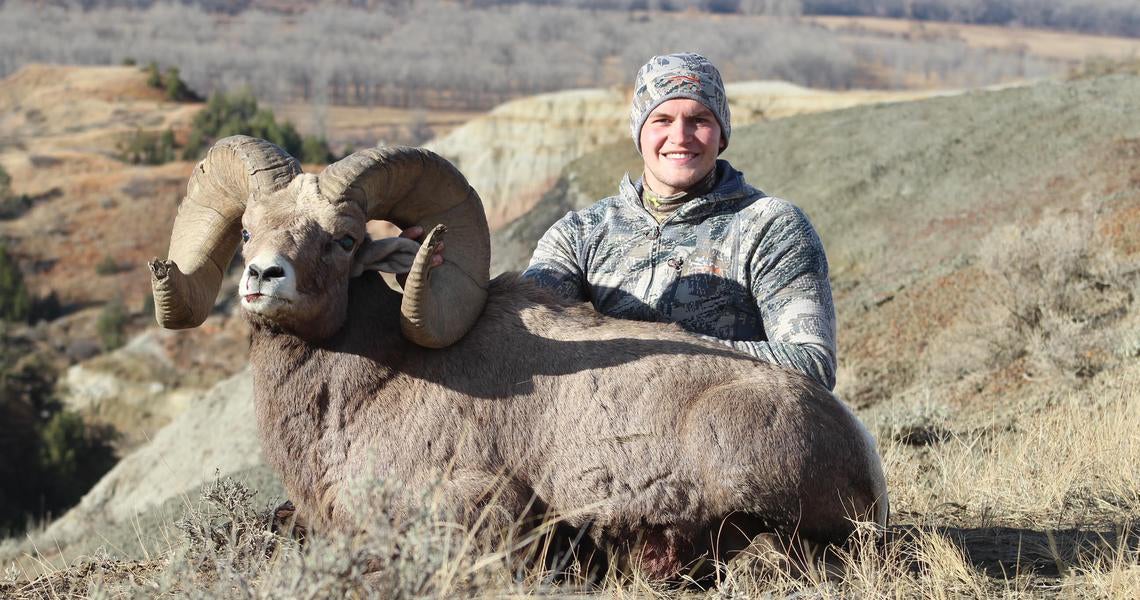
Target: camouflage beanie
x=684, y=75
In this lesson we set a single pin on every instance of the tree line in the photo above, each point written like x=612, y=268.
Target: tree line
x=1113, y=17
x=438, y=54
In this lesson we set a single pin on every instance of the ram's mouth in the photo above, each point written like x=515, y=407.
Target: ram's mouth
x=258, y=302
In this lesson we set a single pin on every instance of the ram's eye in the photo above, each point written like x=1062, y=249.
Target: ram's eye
x=244, y=235
x=346, y=242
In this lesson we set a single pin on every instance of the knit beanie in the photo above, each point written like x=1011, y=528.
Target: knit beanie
x=684, y=75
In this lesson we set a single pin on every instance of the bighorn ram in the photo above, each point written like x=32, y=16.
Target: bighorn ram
x=651, y=436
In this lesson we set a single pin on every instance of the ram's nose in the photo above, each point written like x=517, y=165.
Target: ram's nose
x=269, y=275
x=264, y=272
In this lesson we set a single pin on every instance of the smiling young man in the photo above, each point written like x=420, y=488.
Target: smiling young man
x=690, y=242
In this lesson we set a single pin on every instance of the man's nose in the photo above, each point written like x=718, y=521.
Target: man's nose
x=680, y=131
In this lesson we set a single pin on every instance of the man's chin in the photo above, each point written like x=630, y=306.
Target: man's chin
x=680, y=183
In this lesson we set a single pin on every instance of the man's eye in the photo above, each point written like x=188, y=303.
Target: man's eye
x=244, y=235
x=346, y=242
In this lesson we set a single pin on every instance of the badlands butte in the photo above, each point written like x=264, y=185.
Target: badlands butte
x=984, y=250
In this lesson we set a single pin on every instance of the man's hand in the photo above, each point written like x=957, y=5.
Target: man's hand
x=417, y=233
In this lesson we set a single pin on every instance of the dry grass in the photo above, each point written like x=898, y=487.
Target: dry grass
x=1044, y=506
x=1038, y=42
x=1073, y=462
x=1059, y=292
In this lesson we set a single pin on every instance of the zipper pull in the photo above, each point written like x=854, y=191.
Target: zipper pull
x=654, y=233
x=676, y=263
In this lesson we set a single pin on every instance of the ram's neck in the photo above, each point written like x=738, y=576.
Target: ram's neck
x=308, y=393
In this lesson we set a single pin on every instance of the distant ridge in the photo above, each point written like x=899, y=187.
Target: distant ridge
x=513, y=154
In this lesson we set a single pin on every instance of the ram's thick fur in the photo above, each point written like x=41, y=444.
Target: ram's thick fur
x=651, y=436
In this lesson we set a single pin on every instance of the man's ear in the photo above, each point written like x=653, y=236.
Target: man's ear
x=390, y=255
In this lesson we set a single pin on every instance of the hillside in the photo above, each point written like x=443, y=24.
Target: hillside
x=917, y=203
x=513, y=154
x=60, y=131
x=90, y=223
x=985, y=257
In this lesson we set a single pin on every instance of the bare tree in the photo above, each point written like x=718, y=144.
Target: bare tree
x=433, y=54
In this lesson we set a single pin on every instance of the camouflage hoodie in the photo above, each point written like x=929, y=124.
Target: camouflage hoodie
x=736, y=265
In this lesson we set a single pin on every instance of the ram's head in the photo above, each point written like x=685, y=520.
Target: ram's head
x=304, y=238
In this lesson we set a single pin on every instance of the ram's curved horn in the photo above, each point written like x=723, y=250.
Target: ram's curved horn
x=208, y=226
x=413, y=186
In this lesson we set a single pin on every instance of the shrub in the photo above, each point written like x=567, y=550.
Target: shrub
x=170, y=82
x=147, y=148
x=916, y=424
x=153, y=77
x=315, y=150
x=50, y=451
x=46, y=308
x=13, y=207
x=238, y=113
x=107, y=266
x=5, y=183
x=1056, y=297
x=195, y=145
x=111, y=325
x=176, y=89
x=226, y=531
x=148, y=306
x=229, y=543
x=166, y=143
x=15, y=304
x=73, y=457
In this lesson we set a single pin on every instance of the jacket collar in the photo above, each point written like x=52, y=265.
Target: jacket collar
x=730, y=186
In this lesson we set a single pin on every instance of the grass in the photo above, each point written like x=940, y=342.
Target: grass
x=1044, y=506
x=1064, y=45
x=1073, y=462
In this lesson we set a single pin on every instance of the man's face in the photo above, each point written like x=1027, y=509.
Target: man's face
x=679, y=144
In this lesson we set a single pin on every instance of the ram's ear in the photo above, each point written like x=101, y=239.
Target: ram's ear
x=389, y=255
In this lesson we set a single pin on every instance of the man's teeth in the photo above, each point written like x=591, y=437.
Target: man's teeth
x=679, y=155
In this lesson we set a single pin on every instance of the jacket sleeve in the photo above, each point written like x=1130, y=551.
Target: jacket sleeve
x=790, y=286
x=556, y=263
